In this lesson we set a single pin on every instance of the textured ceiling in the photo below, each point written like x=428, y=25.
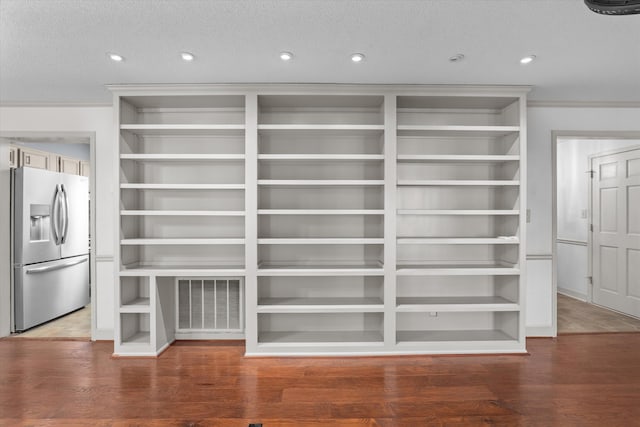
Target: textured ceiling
x=54, y=50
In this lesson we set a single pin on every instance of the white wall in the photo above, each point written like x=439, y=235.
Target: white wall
x=83, y=119
x=542, y=121
x=572, y=207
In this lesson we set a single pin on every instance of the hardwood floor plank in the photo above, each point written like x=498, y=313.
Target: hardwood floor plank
x=574, y=380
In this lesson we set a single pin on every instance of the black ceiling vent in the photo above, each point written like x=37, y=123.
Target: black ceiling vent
x=614, y=7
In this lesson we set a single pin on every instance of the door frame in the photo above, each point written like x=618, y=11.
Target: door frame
x=5, y=280
x=557, y=135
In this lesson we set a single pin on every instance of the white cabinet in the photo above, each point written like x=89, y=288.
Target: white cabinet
x=69, y=165
x=355, y=219
x=29, y=157
x=85, y=168
x=13, y=156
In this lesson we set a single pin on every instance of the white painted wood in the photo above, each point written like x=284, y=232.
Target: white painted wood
x=320, y=157
x=320, y=212
x=160, y=241
x=172, y=129
x=481, y=212
x=179, y=213
x=320, y=127
x=456, y=130
x=458, y=182
x=32, y=158
x=321, y=241
x=69, y=165
x=616, y=231
x=457, y=158
x=390, y=220
x=321, y=182
x=182, y=156
x=143, y=186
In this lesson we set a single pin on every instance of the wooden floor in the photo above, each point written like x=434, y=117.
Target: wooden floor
x=73, y=325
x=574, y=380
x=576, y=316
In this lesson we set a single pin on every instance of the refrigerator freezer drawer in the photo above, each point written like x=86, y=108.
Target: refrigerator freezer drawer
x=47, y=290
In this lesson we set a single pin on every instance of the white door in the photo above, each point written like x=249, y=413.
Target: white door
x=616, y=231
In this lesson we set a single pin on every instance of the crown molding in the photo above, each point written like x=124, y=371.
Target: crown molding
x=583, y=104
x=54, y=104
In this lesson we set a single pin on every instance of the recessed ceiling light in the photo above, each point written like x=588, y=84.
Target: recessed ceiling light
x=456, y=58
x=286, y=56
x=115, y=57
x=186, y=56
x=357, y=57
x=527, y=59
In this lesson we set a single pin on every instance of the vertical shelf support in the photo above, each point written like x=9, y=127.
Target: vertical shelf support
x=390, y=155
x=251, y=221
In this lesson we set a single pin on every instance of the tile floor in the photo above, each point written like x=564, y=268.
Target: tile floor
x=73, y=325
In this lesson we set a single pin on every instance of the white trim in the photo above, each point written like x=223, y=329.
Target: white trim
x=572, y=294
x=102, y=335
x=37, y=104
x=541, y=331
x=583, y=104
x=539, y=257
x=571, y=242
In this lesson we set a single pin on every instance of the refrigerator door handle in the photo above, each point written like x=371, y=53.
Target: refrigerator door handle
x=65, y=218
x=55, y=217
x=54, y=267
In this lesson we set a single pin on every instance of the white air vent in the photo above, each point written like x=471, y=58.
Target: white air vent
x=209, y=304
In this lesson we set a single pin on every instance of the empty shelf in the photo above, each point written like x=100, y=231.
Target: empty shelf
x=157, y=212
x=271, y=269
x=354, y=157
x=141, y=337
x=183, y=186
x=457, y=212
x=182, y=270
x=319, y=127
x=324, y=338
x=139, y=305
x=322, y=241
x=193, y=241
x=320, y=305
x=320, y=182
x=458, y=182
x=458, y=241
x=182, y=156
x=182, y=129
x=463, y=303
x=457, y=158
x=457, y=270
x=320, y=211
x=439, y=336
x=455, y=130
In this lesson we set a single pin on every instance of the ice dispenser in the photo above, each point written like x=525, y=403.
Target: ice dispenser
x=40, y=222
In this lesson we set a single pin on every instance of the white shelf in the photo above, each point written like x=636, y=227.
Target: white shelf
x=137, y=339
x=320, y=305
x=176, y=156
x=182, y=270
x=456, y=241
x=324, y=338
x=266, y=269
x=464, y=303
x=457, y=182
x=457, y=270
x=457, y=158
x=407, y=337
x=317, y=127
x=181, y=129
x=194, y=241
x=321, y=241
x=321, y=182
x=320, y=211
x=457, y=212
x=158, y=212
x=331, y=157
x=456, y=130
x=139, y=305
x=141, y=186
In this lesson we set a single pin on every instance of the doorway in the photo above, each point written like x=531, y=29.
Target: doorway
x=71, y=153
x=578, y=285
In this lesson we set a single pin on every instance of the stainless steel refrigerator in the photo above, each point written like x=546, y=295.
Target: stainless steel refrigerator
x=50, y=245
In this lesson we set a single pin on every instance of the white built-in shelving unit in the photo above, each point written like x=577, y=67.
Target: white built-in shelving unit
x=338, y=219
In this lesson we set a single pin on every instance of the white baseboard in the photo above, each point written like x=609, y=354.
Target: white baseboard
x=540, y=331
x=102, y=335
x=573, y=294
